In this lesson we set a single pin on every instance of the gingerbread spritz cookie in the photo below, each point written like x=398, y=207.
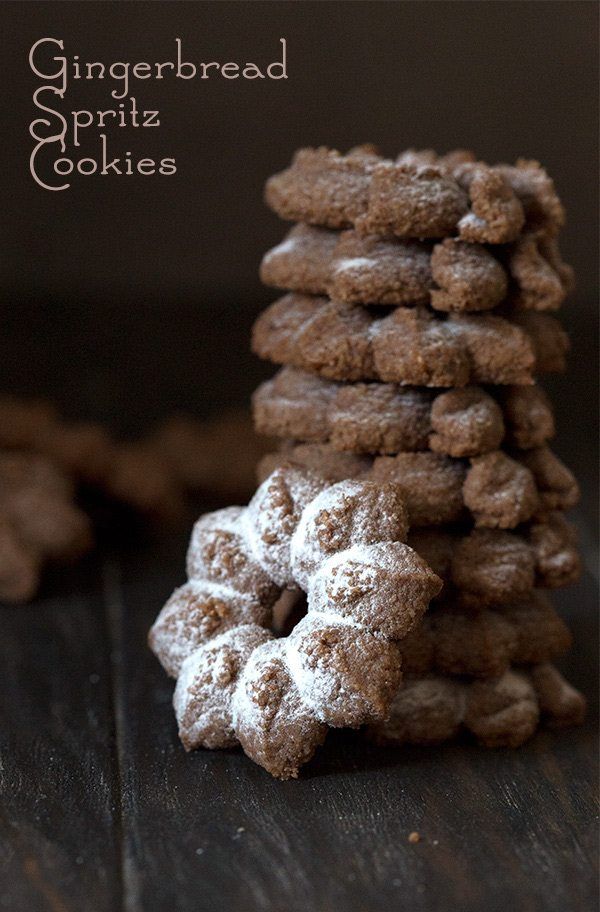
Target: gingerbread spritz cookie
x=349, y=267
x=39, y=521
x=421, y=195
x=485, y=566
x=410, y=346
x=377, y=196
x=499, y=712
x=494, y=567
x=489, y=567
x=451, y=275
x=493, y=491
x=383, y=418
x=452, y=639
x=137, y=473
x=340, y=665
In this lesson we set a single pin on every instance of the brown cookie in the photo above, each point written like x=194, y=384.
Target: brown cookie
x=366, y=269
x=414, y=202
x=272, y=516
x=317, y=335
x=498, y=491
x=379, y=418
x=294, y=404
x=541, y=633
x=420, y=195
x=482, y=642
x=199, y=611
x=273, y=723
x=410, y=346
x=340, y=664
x=452, y=276
x=498, y=351
x=219, y=552
x=491, y=567
x=39, y=521
x=543, y=209
x=349, y=267
x=500, y=712
x=382, y=588
x=431, y=485
x=349, y=513
x=503, y=712
x=495, y=491
x=386, y=418
x=560, y=704
x=302, y=261
x=426, y=710
x=206, y=684
x=322, y=187
x=345, y=674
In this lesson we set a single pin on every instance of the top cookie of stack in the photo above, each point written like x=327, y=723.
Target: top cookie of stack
x=428, y=271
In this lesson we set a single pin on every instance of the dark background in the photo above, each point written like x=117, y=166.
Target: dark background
x=124, y=298
x=97, y=277
x=506, y=79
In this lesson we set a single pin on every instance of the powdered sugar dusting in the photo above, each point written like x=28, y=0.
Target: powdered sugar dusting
x=204, y=691
x=287, y=246
x=197, y=612
x=272, y=516
x=239, y=682
x=351, y=263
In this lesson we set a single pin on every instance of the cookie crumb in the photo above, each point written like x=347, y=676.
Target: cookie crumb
x=414, y=837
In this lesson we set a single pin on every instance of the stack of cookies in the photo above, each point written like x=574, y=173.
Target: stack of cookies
x=413, y=515
x=417, y=319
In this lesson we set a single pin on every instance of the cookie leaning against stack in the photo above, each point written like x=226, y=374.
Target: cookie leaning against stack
x=418, y=312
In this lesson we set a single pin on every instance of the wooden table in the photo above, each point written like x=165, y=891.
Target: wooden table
x=103, y=810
